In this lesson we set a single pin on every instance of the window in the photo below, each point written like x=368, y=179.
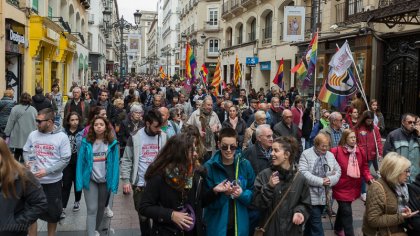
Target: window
x=35, y=5
x=268, y=25
x=213, y=45
x=354, y=6
x=213, y=15
x=253, y=29
x=130, y=57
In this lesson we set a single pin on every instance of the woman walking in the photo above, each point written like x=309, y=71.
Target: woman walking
x=271, y=186
x=354, y=167
x=237, y=123
x=97, y=170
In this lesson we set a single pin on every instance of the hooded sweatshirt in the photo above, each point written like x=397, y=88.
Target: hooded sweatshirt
x=53, y=153
x=39, y=101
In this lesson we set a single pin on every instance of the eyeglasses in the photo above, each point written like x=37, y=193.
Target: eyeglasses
x=225, y=147
x=411, y=122
x=40, y=121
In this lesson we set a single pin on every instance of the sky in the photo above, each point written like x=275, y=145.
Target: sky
x=128, y=7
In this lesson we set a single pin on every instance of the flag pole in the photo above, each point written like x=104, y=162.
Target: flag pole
x=316, y=62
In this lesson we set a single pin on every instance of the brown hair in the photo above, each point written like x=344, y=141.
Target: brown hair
x=108, y=134
x=9, y=169
x=289, y=144
x=346, y=133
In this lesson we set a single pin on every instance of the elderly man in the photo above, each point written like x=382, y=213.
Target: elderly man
x=406, y=142
x=207, y=122
x=260, y=154
x=223, y=114
x=77, y=105
x=157, y=103
x=169, y=127
x=334, y=130
x=286, y=127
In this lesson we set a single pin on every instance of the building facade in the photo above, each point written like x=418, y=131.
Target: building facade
x=146, y=20
x=152, y=48
x=97, y=41
x=170, y=32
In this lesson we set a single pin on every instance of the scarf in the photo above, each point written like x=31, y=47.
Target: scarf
x=275, y=109
x=233, y=122
x=402, y=196
x=205, y=127
x=179, y=179
x=320, y=170
x=353, y=169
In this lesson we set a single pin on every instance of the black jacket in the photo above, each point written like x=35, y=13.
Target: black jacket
x=240, y=129
x=276, y=117
x=414, y=204
x=281, y=129
x=127, y=128
x=17, y=214
x=39, y=101
x=159, y=200
x=258, y=161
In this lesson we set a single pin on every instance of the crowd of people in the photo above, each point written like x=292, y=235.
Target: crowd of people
x=198, y=163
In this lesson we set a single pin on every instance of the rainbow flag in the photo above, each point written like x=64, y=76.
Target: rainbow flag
x=300, y=69
x=216, y=78
x=337, y=90
x=162, y=73
x=278, y=79
x=190, y=64
x=311, y=58
x=238, y=72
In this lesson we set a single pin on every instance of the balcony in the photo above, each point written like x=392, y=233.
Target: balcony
x=211, y=26
x=108, y=44
x=212, y=54
x=251, y=37
x=267, y=34
x=225, y=8
x=14, y=3
x=234, y=4
x=238, y=40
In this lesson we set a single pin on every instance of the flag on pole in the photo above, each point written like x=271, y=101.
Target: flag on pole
x=300, y=69
x=204, y=72
x=216, y=78
x=162, y=73
x=190, y=64
x=311, y=58
x=342, y=59
x=238, y=73
x=278, y=79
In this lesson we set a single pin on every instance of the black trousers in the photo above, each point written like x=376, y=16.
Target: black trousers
x=145, y=226
x=344, y=219
x=18, y=153
x=69, y=178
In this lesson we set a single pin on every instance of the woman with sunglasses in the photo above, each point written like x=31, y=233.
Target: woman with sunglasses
x=353, y=163
x=387, y=198
x=174, y=195
x=269, y=188
x=97, y=170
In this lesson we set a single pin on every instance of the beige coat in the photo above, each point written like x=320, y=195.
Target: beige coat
x=214, y=120
x=376, y=221
x=248, y=135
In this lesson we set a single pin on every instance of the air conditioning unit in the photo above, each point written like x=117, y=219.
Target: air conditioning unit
x=369, y=8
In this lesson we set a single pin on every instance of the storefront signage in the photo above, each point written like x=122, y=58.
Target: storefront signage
x=294, y=24
x=251, y=61
x=265, y=65
x=15, y=37
x=211, y=65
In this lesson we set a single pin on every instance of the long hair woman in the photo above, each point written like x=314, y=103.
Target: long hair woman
x=272, y=183
x=97, y=170
x=378, y=119
x=175, y=195
x=387, y=198
x=22, y=199
x=353, y=163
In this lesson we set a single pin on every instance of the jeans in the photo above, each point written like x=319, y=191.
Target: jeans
x=69, y=178
x=95, y=199
x=144, y=222
x=344, y=219
x=314, y=224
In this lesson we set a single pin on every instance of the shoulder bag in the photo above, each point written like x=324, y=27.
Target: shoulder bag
x=259, y=231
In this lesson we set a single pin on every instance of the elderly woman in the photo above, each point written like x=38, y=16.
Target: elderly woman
x=20, y=124
x=236, y=123
x=321, y=172
x=175, y=115
x=260, y=119
x=387, y=198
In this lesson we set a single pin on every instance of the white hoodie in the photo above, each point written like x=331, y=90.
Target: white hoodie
x=53, y=153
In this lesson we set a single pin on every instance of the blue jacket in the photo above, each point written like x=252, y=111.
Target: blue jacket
x=85, y=164
x=216, y=214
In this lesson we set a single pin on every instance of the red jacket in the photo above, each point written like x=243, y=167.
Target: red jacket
x=366, y=141
x=348, y=188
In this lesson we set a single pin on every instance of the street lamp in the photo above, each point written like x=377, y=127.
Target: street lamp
x=121, y=24
x=183, y=40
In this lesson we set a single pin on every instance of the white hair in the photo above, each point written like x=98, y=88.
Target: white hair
x=260, y=129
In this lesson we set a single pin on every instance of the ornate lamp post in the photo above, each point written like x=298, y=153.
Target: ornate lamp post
x=121, y=24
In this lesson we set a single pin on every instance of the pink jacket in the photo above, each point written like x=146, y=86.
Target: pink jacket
x=349, y=188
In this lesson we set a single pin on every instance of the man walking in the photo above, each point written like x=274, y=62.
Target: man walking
x=49, y=151
x=77, y=105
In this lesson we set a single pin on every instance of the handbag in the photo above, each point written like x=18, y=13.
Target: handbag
x=388, y=232
x=188, y=209
x=259, y=231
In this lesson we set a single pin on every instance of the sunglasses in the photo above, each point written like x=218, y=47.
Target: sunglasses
x=225, y=147
x=411, y=122
x=40, y=121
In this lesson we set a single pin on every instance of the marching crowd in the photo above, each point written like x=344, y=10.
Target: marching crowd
x=237, y=164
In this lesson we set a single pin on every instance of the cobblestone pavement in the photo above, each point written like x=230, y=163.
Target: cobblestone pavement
x=125, y=221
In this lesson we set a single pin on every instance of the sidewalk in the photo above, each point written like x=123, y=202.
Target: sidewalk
x=125, y=220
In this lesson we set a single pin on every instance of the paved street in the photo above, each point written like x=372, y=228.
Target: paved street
x=125, y=220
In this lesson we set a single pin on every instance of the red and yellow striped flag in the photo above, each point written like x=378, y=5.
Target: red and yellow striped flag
x=216, y=78
x=238, y=73
x=162, y=73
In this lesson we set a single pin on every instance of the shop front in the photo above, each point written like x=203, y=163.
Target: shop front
x=14, y=55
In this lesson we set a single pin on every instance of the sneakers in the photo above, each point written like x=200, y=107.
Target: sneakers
x=76, y=206
x=108, y=212
x=63, y=215
x=363, y=197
